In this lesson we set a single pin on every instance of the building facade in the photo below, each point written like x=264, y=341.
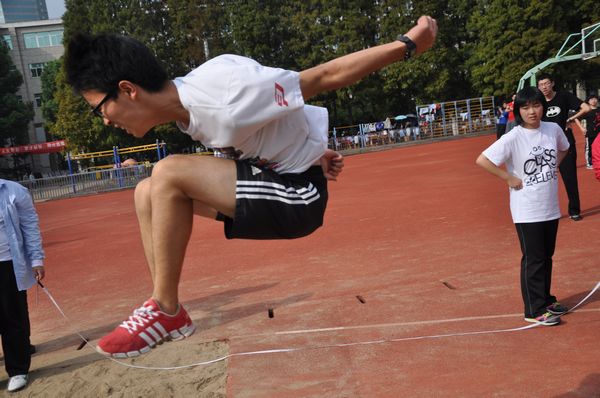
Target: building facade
x=32, y=45
x=22, y=10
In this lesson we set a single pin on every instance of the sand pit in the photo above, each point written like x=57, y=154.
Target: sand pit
x=70, y=373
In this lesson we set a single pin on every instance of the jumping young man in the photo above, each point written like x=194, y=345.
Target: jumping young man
x=559, y=104
x=273, y=184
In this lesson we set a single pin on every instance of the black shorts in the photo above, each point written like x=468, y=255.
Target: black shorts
x=269, y=205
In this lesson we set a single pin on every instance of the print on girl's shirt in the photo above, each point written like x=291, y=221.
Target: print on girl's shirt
x=541, y=167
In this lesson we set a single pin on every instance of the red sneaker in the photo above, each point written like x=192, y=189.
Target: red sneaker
x=147, y=327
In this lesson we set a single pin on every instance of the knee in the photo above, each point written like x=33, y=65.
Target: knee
x=166, y=169
x=142, y=194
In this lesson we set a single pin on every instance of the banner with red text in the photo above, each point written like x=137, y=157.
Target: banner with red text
x=42, y=147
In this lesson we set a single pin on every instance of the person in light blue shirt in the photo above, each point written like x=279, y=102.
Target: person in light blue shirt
x=21, y=266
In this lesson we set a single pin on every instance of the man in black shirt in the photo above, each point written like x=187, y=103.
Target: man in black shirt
x=559, y=105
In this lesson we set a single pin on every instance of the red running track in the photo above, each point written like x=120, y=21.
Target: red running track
x=400, y=223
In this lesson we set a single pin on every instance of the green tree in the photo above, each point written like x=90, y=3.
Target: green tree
x=354, y=26
x=509, y=37
x=583, y=13
x=199, y=31
x=261, y=31
x=15, y=115
x=74, y=121
x=439, y=74
x=147, y=21
x=319, y=31
x=49, y=104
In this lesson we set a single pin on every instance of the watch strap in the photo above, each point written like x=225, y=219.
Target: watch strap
x=411, y=47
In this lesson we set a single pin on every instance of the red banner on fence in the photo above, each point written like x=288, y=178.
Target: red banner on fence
x=42, y=147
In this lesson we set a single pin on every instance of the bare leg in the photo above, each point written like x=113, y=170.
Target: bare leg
x=178, y=182
x=143, y=209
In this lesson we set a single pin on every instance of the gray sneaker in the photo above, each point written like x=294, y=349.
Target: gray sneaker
x=546, y=319
x=557, y=309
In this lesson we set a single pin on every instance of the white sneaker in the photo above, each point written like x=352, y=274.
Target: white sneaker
x=17, y=383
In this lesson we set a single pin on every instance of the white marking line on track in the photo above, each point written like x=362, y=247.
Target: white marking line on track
x=389, y=325
x=307, y=348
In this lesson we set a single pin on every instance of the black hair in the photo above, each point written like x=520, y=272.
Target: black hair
x=525, y=96
x=590, y=97
x=100, y=62
x=545, y=76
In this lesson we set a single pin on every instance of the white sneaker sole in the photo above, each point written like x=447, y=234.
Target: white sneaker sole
x=550, y=322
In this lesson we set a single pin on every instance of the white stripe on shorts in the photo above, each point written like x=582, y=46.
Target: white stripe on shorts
x=274, y=185
x=272, y=191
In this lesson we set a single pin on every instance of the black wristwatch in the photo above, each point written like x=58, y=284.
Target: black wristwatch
x=411, y=47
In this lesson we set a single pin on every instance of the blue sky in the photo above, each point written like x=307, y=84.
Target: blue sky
x=56, y=8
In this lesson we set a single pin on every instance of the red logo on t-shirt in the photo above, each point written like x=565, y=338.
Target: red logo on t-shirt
x=280, y=96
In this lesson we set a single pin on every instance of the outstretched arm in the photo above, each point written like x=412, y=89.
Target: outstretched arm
x=349, y=69
x=583, y=109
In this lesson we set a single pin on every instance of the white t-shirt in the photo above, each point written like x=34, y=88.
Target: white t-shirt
x=531, y=155
x=250, y=111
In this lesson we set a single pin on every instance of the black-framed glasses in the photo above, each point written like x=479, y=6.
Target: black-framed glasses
x=96, y=110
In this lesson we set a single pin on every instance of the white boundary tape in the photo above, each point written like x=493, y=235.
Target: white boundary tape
x=295, y=349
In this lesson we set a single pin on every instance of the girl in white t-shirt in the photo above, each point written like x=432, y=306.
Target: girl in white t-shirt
x=531, y=152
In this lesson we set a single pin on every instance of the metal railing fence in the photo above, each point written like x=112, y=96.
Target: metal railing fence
x=439, y=120
x=86, y=183
x=454, y=118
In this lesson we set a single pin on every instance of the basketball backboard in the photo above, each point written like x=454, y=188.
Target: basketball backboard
x=590, y=41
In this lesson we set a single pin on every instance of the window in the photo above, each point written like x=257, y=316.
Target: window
x=8, y=41
x=43, y=39
x=38, y=99
x=56, y=37
x=37, y=69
